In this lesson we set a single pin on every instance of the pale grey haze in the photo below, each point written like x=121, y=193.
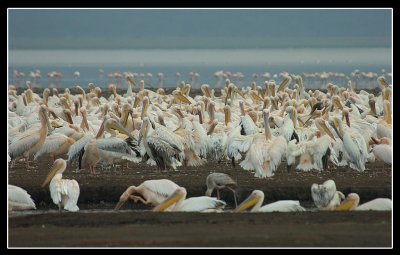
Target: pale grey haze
x=197, y=28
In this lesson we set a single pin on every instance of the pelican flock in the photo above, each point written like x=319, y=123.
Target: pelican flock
x=260, y=128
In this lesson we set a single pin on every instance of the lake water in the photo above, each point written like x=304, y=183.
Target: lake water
x=94, y=65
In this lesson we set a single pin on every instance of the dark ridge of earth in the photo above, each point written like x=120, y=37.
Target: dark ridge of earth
x=147, y=229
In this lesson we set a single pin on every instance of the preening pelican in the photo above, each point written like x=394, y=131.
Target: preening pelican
x=220, y=181
x=154, y=192
x=325, y=196
x=255, y=200
x=177, y=202
x=352, y=200
x=19, y=199
x=64, y=192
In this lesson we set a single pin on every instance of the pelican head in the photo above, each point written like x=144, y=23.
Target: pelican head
x=144, y=129
x=58, y=167
x=178, y=195
x=125, y=109
x=336, y=124
x=205, y=88
x=321, y=125
x=113, y=124
x=256, y=197
x=350, y=203
x=345, y=115
x=382, y=82
x=337, y=102
x=227, y=111
x=125, y=196
x=284, y=83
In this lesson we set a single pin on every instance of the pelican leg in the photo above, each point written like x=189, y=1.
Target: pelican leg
x=288, y=167
x=234, y=195
x=218, y=194
x=27, y=163
x=59, y=207
x=233, y=161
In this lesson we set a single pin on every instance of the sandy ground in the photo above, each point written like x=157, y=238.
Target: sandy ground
x=97, y=225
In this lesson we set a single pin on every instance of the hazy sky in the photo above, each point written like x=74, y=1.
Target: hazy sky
x=197, y=28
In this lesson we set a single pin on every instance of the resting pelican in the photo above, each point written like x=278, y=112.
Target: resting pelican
x=55, y=145
x=19, y=199
x=256, y=199
x=154, y=192
x=159, y=148
x=352, y=200
x=383, y=150
x=325, y=196
x=354, y=145
x=90, y=150
x=314, y=153
x=64, y=192
x=220, y=181
x=264, y=151
x=31, y=141
x=177, y=202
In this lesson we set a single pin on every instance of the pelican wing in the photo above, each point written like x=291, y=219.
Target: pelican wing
x=277, y=150
x=318, y=150
x=378, y=204
x=323, y=194
x=162, y=187
x=20, y=198
x=52, y=143
x=76, y=149
x=238, y=144
x=65, y=192
x=200, y=139
x=168, y=136
x=160, y=146
x=283, y=206
x=24, y=143
x=201, y=204
x=248, y=125
x=113, y=144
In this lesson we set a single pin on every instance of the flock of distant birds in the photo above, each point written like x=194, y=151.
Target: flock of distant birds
x=259, y=126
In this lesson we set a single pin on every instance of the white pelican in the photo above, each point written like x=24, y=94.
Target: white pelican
x=325, y=196
x=30, y=142
x=152, y=192
x=64, y=192
x=383, y=149
x=55, y=145
x=159, y=147
x=384, y=128
x=19, y=199
x=90, y=150
x=264, y=151
x=177, y=202
x=354, y=145
x=256, y=199
x=352, y=200
x=220, y=181
x=314, y=153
